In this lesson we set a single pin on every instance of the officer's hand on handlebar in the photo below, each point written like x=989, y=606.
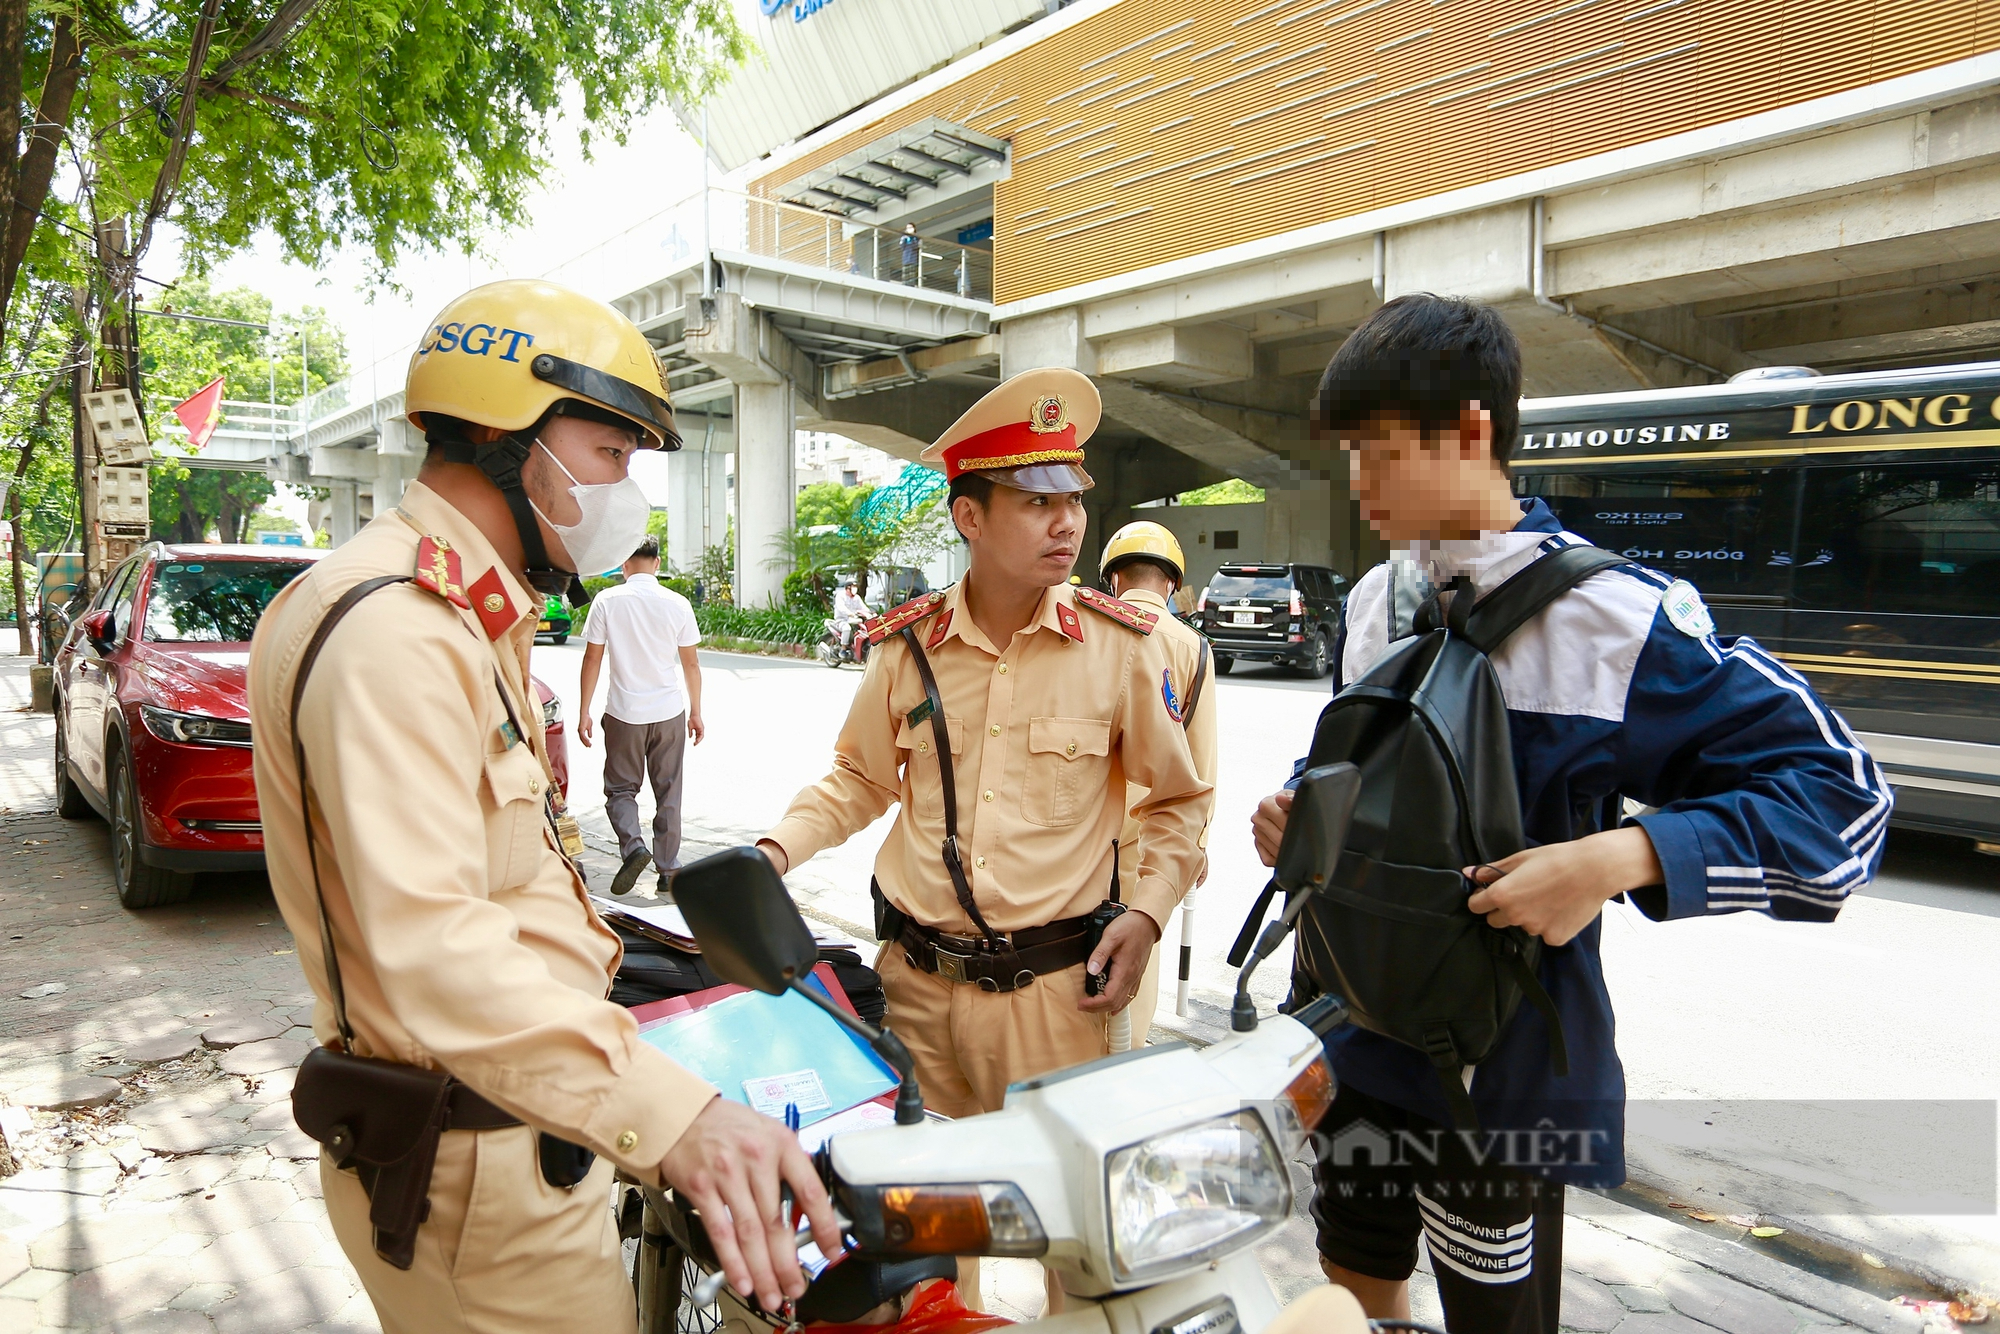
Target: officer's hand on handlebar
x=1127, y=944
x=1267, y=826
x=730, y=1164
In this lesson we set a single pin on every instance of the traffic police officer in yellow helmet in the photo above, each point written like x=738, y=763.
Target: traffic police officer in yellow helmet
x=1143, y=565
x=416, y=845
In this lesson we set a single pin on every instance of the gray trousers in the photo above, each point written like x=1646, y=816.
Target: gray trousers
x=633, y=753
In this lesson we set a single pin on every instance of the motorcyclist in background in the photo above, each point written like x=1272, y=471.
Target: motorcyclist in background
x=849, y=610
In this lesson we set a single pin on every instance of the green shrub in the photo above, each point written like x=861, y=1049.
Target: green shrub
x=768, y=625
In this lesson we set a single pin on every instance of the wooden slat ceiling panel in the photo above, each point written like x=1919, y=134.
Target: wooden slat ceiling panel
x=1147, y=133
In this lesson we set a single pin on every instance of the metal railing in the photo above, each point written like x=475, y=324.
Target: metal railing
x=777, y=230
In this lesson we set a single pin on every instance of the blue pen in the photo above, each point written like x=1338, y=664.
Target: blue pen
x=792, y=1117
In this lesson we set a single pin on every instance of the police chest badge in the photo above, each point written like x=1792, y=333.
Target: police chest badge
x=1686, y=611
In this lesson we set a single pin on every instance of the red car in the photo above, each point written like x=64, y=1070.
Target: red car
x=152, y=722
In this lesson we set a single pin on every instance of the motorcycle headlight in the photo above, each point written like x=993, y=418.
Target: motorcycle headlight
x=1179, y=1199
x=552, y=711
x=194, y=728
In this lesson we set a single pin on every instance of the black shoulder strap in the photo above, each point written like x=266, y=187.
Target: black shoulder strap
x=333, y=617
x=954, y=865
x=1518, y=600
x=1194, y=690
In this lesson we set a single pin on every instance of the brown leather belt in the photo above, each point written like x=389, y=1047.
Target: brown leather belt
x=466, y=1110
x=1029, y=953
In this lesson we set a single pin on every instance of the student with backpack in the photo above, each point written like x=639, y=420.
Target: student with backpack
x=1504, y=687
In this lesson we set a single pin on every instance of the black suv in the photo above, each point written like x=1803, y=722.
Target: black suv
x=1287, y=614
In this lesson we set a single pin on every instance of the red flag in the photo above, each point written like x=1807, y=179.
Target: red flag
x=201, y=412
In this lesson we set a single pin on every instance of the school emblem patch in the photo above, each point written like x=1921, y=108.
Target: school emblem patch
x=1686, y=612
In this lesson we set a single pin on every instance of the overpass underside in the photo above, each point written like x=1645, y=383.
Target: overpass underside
x=1858, y=232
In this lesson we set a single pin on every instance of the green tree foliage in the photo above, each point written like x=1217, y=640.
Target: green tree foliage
x=1233, y=491
x=391, y=124
x=836, y=534
x=178, y=357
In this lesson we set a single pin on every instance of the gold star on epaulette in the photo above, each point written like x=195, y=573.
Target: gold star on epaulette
x=1127, y=615
x=894, y=619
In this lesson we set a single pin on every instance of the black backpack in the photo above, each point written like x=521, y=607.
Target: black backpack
x=1390, y=933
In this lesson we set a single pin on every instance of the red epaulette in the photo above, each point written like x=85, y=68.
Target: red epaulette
x=894, y=619
x=439, y=571
x=1127, y=615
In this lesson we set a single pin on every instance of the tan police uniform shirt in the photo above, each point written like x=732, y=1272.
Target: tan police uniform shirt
x=1183, y=644
x=465, y=940
x=1046, y=732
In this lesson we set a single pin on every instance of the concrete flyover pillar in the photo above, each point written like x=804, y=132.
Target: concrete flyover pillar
x=390, y=479
x=344, y=518
x=765, y=490
x=698, y=480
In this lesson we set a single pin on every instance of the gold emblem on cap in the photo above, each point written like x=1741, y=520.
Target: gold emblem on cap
x=495, y=603
x=1050, y=415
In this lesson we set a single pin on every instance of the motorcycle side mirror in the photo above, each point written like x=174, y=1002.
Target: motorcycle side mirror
x=751, y=934
x=1322, y=809
x=749, y=930
x=1315, y=832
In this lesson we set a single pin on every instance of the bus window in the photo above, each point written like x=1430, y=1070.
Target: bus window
x=1726, y=532
x=1916, y=538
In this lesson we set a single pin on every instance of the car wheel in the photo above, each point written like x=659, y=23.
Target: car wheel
x=1321, y=661
x=1223, y=665
x=71, y=804
x=139, y=885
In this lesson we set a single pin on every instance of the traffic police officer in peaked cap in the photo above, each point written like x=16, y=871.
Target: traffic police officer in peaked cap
x=997, y=889
x=416, y=845
x=1144, y=565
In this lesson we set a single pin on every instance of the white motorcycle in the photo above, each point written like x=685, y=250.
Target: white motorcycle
x=1145, y=1180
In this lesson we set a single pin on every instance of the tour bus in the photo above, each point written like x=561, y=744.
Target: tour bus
x=1849, y=523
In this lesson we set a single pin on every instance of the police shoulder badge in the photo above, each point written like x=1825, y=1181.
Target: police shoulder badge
x=1686, y=611
x=1127, y=615
x=439, y=571
x=1167, y=694
x=1050, y=415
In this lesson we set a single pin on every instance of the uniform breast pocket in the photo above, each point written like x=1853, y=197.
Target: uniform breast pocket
x=920, y=766
x=514, y=783
x=1069, y=762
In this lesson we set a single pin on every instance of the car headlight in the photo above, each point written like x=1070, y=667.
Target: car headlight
x=552, y=711
x=194, y=728
x=1179, y=1199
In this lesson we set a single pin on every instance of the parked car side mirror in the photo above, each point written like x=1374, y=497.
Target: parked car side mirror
x=100, y=629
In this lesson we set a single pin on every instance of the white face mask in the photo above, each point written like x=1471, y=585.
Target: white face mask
x=610, y=525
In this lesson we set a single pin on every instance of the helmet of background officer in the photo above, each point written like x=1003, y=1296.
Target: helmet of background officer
x=549, y=392
x=1027, y=435
x=1143, y=544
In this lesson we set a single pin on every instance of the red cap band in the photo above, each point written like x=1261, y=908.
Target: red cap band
x=1015, y=445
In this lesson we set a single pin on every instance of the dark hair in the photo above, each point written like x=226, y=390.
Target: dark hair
x=649, y=549
x=974, y=484
x=1426, y=357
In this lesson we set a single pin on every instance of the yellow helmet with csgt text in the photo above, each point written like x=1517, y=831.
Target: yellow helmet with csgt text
x=500, y=356
x=1147, y=541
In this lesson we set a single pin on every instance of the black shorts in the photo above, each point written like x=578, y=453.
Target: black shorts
x=1384, y=1176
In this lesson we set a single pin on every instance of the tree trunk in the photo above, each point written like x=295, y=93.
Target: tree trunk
x=38, y=163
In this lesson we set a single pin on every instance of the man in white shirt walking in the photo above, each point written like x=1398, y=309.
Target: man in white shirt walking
x=648, y=716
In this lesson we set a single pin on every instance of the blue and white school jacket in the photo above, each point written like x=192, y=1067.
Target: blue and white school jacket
x=1763, y=800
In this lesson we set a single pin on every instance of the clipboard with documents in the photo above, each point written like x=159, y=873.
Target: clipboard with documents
x=769, y=1052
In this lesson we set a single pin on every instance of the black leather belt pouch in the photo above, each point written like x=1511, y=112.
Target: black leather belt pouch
x=564, y=1165
x=889, y=919
x=383, y=1119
